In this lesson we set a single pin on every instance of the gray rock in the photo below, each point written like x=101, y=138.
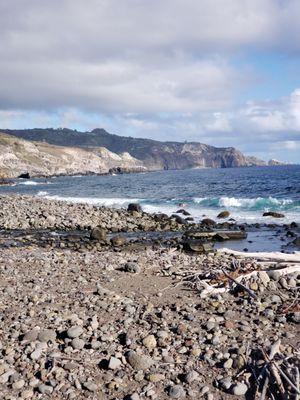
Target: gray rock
x=36, y=354
x=18, y=384
x=239, y=389
x=114, y=363
x=225, y=383
x=138, y=361
x=90, y=386
x=98, y=233
x=118, y=240
x=47, y=335
x=45, y=389
x=77, y=343
x=31, y=336
x=132, y=267
x=191, y=376
x=134, y=396
x=176, y=392
x=74, y=332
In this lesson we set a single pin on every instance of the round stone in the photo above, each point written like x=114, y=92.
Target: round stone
x=150, y=342
x=74, y=332
x=176, y=392
x=47, y=335
x=138, y=361
x=77, y=344
x=239, y=389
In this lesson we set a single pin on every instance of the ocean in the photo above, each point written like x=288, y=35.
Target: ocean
x=245, y=192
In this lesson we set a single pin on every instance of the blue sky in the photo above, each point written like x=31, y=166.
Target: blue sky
x=222, y=72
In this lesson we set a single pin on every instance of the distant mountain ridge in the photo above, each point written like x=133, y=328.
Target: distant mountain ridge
x=153, y=154
x=19, y=156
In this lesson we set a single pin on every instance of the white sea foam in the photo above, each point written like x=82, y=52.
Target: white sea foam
x=108, y=202
x=236, y=202
x=29, y=183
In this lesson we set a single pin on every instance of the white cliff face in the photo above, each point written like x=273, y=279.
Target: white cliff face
x=41, y=159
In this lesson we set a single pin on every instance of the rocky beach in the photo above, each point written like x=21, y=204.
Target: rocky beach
x=99, y=303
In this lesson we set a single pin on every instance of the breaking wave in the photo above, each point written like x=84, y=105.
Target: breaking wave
x=255, y=204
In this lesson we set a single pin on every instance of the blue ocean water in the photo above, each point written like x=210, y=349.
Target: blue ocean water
x=245, y=192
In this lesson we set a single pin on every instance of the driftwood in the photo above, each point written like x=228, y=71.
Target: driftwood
x=218, y=282
x=261, y=256
x=276, y=381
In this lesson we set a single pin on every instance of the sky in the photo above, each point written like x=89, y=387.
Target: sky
x=221, y=72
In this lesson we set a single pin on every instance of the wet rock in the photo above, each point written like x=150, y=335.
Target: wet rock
x=118, y=240
x=197, y=246
x=134, y=207
x=98, y=233
x=273, y=214
x=223, y=214
x=208, y=222
x=25, y=175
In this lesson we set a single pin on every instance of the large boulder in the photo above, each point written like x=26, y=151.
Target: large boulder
x=208, y=222
x=24, y=176
x=179, y=219
x=182, y=211
x=223, y=214
x=273, y=214
x=134, y=207
x=98, y=233
x=118, y=240
x=197, y=246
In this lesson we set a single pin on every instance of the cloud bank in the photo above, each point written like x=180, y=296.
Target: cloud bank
x=167, y=69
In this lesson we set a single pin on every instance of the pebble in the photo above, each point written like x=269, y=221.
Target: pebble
x=239, y=389
x=139, y=362
x=74, y=332
x=176, y=392
x=132, y=267
x=90, y=386
x=77, y=343
x=47, y=335
x=45, y=389
x=150, y=342
x=18, y=384
x=114, y=363
x=36, y=354
x=31, y=336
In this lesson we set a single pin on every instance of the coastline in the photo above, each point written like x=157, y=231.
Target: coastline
x=86, y=315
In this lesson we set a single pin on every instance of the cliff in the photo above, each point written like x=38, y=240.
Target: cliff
x=42, y=159
x=153, y=154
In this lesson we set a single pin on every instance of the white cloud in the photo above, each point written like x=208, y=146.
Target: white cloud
x=159, y=68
